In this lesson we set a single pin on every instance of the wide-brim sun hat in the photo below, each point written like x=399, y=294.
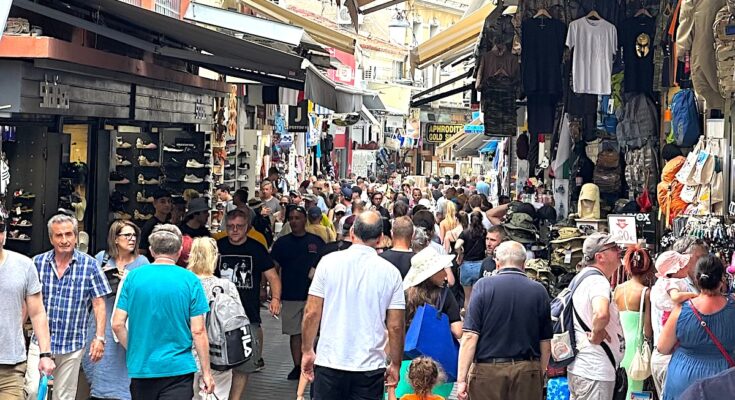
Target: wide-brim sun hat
x=671, y=262
x=424, y=265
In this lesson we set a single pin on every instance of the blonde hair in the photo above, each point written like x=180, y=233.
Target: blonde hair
x=424, y=374
x=203, y=256
x=451, y=215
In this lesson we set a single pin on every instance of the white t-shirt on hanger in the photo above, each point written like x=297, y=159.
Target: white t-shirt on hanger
x=594, y=43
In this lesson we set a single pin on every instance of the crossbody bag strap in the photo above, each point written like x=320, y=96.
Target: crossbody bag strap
x=586, y=328
x=712, y=336
x=641, y=310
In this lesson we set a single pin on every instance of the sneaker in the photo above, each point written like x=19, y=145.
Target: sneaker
x=172, y=149
x=143, y=181
x=245, y=154
x=190, y=178
x=142, y=199
x=122, y=215
x=243, y=178
x=294, y=374
x=140, y=144
x=118, y=178
x=260, y=365
x=121, y=162
x=122, y=144
x=144, y=162
x=194, y=164
x=141, y=217
x=229, y=175
x=244, y=166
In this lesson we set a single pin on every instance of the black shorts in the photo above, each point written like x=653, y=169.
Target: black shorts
x=334, y=384
x=169, y=388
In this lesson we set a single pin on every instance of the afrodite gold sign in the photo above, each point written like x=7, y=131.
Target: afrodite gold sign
x=439, y=133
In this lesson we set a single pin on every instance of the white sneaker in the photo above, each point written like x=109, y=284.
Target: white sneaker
x=121, y=162
x=141, y=199
x=194, y=164
x=146, y=146
x=243, y=178
x=190, y=178
x=172, y=149
x=143, y=181
x=144, y=162
x=122, y=144
x=141, y=217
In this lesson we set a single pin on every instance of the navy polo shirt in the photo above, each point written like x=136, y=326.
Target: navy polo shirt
x=511, y=314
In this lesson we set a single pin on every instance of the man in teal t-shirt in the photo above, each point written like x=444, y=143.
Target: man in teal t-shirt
x=164, y=306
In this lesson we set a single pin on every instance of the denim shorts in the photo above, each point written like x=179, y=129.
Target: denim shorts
x=469, y=272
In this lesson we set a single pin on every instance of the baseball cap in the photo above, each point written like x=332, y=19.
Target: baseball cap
x=671, y=262
x=596, y=243
x=296, y=208
x=346, y=192
x=309, y=197
x=314, y=212
x=340, y=208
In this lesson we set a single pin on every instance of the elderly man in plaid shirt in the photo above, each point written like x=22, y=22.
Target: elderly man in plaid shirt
x=70, y=281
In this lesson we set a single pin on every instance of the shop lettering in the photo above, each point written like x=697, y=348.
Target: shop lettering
x=439, y=133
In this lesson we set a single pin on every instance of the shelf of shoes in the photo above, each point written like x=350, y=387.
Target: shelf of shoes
x=137, y=173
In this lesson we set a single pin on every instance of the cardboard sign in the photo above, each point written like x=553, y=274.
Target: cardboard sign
x=623, y=229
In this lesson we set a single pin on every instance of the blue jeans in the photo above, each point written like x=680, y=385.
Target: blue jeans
x=469, y=272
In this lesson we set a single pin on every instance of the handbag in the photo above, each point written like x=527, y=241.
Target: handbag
x=686, y=173
x=430, y=335
x=730, y=362
x=640, y=367
x=690, y=194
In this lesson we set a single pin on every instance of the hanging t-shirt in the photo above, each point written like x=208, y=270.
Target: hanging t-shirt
x=636, y=38
x=541, y=60
x=594, y=43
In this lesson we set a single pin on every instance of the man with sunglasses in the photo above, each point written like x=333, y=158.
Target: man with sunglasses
x=20, y=294
x=377, y=205
x=162, y=204
x=597, y=328
x=296, y=254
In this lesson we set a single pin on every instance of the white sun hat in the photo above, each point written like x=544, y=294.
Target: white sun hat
x=424, y=264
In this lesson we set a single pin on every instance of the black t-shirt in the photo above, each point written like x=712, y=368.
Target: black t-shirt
x=339, y=245
x=401, y=259
x=451, y=308
x=296, y=256
x=511, y=314
x=146, y=231
x=636, y=36
x=488, y=265
x=543, y=43
x=474, y=247
x=244, y=265
x=202, y=231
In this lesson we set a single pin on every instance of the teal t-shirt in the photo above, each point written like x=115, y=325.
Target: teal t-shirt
x=160, y=301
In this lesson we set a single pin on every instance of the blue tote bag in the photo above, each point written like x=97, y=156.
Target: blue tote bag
x=429, y=335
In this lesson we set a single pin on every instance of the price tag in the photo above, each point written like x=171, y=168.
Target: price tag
x=568, y=256
x=623, y=229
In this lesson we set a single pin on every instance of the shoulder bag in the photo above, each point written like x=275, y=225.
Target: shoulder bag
x=730, y=362
x=640, y=367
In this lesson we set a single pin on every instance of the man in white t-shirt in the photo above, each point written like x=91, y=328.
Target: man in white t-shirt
x=354, y=299
x=600, y=342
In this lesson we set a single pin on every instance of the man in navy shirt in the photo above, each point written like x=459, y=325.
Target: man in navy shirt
x=506, y=333
x=297, y=254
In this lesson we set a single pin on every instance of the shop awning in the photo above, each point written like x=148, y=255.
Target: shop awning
x=466, y=31
x=367, y=116
x=470, y=145
x=373, y=102
x=425, y=96
x=321, y=90
x=222, y=51
x=489, y=147
x=326, y=36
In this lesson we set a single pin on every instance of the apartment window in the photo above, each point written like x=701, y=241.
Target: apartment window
x=168, y=7
x=417, y=31
x=133, y=2
x=397, y=70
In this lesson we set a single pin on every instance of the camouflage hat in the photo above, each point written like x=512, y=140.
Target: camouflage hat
x=567, y=233
x=520, y=235
x=521, y=222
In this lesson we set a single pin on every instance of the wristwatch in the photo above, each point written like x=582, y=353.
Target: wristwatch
x=44, y=355
x=100, y=338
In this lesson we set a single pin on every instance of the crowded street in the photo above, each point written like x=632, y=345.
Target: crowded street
x=367, y=200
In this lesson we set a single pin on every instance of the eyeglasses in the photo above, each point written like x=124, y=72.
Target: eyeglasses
x=128, y=236
x=236, y=227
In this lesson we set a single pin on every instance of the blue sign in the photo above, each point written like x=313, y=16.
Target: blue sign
x=474, y=129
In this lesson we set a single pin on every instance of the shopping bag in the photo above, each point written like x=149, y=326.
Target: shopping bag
x=429, y=335
x=640, y=366
x=43, y=387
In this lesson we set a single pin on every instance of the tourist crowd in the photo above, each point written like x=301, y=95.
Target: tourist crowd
x=353, y=270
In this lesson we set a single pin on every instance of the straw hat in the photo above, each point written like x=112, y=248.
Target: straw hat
x=424, y=264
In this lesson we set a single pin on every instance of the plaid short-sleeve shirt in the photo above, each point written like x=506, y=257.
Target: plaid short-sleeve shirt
x=68, y=299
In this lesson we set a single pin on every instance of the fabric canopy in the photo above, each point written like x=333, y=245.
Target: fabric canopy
x=321, y=90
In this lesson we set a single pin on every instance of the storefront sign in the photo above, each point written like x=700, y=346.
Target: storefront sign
x=298, y=117
x=53, y=94
x=440, y=133
x=623, y=229
x=473, y=129
x=345, y=71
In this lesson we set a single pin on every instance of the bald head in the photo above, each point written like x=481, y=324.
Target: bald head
x=510, y=254
x=368, y=228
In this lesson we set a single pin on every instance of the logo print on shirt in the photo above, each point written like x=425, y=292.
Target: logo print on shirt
x=642, y=45
x=238, y=269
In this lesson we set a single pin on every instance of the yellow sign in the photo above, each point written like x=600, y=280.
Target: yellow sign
x=439, y=133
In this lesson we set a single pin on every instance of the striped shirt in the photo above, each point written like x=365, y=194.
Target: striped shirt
x=68, y=300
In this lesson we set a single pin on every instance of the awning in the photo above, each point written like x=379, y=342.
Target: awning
x=489, y=147
x=396, y=98
x=321, y=90
x=466, y=31
x=224, y=51
x=322, y=34
x=470, y=145
x=368, y=117
x=421, y=98
x=373, y=102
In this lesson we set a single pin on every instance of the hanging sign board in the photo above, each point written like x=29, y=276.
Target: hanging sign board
x=298, y=117
x=623, y=229
x=440, y=133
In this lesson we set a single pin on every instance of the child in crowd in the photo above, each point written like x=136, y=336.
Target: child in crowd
x=672, y=287
x=423, y=374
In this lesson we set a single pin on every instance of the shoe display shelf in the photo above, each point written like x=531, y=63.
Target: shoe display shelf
x=137, y=173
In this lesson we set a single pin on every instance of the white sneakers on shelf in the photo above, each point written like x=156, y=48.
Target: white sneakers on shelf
x=194, y=164
x=121, y=144
x=172, y=149
x=139, y=144
x=191, y=178
x=121, y=162
x=144, y=162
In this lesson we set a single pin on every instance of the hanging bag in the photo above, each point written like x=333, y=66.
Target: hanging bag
x=728, y=358
x=705, y=168
x=640, y=367
x=686, y=173
x=690, y=194
x=430, y=335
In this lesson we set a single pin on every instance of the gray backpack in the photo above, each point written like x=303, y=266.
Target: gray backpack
x=637, y=122
x=228, y=329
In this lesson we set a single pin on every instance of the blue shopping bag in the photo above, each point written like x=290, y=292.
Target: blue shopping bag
x=429, y=335
x=43, y=387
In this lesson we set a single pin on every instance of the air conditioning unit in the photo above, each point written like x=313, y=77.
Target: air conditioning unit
x=343, y=17
x=370, y=73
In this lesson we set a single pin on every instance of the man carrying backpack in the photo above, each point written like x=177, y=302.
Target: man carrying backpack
x=598, y=333
x=160, y=313
x=506, y=333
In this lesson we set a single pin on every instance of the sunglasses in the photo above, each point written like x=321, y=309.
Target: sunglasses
x=128, y=236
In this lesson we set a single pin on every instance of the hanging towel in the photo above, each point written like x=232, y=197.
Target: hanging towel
x=288, y=96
